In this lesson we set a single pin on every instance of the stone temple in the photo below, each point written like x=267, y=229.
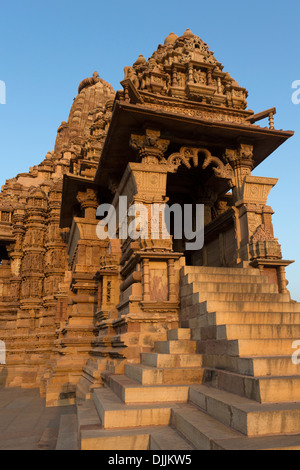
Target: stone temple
x=159, y=346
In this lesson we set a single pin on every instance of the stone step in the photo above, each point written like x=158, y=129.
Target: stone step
x=87, y=374
x=248, y=318
x=171, y=360
x=291, y=442
x=206, y=433
x=230, y=332
x=228, y=287
x=147, y=438
x=219, y=270
x=239, y=300
x=67, y=435
x=167, y=438
x=250, y=306
x=179, y=333
x=261, y=389
x=200, y=429
x=147, y=375
x=114, y=413
x=199, y=314
x=48, y=440
x=130, y=391
x=247, y=347
x=224, y=278
x=93, y=371
x=117, y=440
x=247, y=416
x=254, y=366
x=245, y=318
x=175, y=347
x=87, y=417
x=85, y=387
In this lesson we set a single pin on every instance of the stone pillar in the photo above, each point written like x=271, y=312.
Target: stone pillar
x=16, y=255
x=241, y=160
x=149, y=298
x=89, y=203
x=172, y=280
x=33, y=260
x=255, y=230
x=78, y=331
x=255, y=240
x=18, y=231
x=146, y=280
x=147, y=181
x=35, y=349
x=55, y=263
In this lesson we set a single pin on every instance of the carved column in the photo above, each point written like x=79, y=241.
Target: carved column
x=89, y=203
x=149, y=267
x=33, y=260
x=172, y=280
x=256, y=238
x=55, y=263
x=18, y=231
x=254, y=229
x=84, y=250
x=146, y=280
x=16, y=255
x=149, y=178
x=241, y=160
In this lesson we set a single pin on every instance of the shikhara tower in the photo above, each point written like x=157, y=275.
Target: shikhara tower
x=145, y=321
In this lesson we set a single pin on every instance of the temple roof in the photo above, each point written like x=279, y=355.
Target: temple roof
x=184, y=67
x=80, y=137
x=93, y=94
x=183, y=91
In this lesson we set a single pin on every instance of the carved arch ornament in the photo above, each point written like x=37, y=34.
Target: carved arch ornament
x=188, y=154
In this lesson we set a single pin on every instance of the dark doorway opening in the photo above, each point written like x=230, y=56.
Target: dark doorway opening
x=3, y=253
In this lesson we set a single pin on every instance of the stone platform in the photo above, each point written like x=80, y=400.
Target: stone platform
x=26, y=423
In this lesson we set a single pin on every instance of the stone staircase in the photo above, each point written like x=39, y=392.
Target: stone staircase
x=225, y=380
x=59, y=382
x=63, y=437
x=90, y=379
x=134, y=411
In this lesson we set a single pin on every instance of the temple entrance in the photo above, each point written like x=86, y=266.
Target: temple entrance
x=179, y=191
x=198, y=185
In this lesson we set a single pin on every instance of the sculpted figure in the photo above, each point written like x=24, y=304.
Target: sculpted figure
x=131, y=75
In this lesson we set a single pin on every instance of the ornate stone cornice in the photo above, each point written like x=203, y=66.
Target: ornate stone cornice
x=150, y=146
x=87, y=198
x=242, y=156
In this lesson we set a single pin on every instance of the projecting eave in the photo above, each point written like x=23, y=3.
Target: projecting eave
x=179, y=129
x=71, y=185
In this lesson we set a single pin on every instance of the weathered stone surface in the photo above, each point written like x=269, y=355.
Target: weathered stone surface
x=136, y=324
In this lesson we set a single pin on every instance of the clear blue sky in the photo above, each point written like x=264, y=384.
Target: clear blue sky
x=47, y=47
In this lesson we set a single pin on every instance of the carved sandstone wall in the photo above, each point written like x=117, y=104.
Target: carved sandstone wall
x=35, y=272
